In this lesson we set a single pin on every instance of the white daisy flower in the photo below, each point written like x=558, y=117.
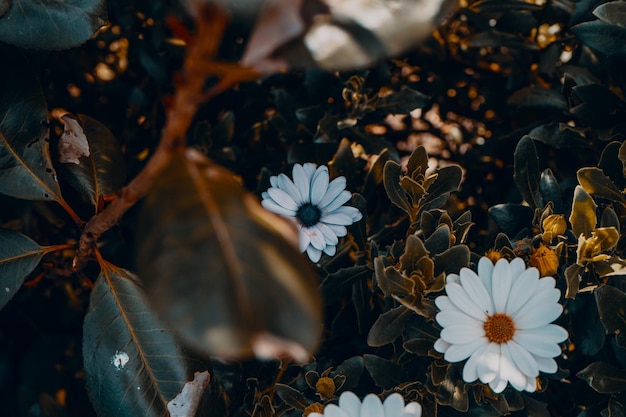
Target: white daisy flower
x=350, y=406
x=315, y=205
x=500, y=320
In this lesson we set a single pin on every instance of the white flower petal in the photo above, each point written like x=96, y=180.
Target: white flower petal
x=458, y=352
x=317, y=238
x=458, y=334
x=453, y=278
x=498, y=384
x=451, y=317
x=509, y=370
x=461, y=300
x=470, y=371
x=315, y=415
x=314, y=254
x=343, y=197
x=285, y=184
x=540, y=315
x=338, y=230
x=349, y=402
x=329, y=236
x=412, y=409
x=272, y=206
x=274, y=181
x=531, y=384
x=302, y=182
x=488, y=363
x=547, y=365
x=337, y=218
x=335, y=187
x=523, y=288
x=501, y=284
x=476, y=290
x=517, y=267
x=309, y=169
x=330, y=250
x=319, y=184
x=393, y=405
x=353, y=212
x=282, y=198
x=331, y=410
x=441, y=345
x=485, y=272
x=372, y=407
x=537, y=343
x=443, y=303
x=304, y=239
x=523, y=359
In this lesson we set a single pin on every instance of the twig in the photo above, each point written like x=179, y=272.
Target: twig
x=190, y=93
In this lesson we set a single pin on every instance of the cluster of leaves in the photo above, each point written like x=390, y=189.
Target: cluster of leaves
x=503, y=134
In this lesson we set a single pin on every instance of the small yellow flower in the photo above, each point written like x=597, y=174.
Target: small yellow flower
x=590, y=249
x=325, y=387
x=493, y=255
x=553, y=226
x=313, y=408
x=545, y=260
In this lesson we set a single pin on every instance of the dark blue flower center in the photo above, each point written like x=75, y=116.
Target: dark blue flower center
x=308, y=214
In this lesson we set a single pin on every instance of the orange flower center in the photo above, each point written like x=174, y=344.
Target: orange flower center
x=499, y=328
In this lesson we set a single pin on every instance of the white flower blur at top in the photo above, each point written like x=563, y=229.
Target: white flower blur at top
x=350, y=406
x=315, y=205
x=501, y=320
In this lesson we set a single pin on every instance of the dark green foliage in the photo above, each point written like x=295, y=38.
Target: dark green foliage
x=50, y=25
x=502, y=134
x=133, y=364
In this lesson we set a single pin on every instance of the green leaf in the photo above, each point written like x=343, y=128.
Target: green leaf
x=550, y=190
x=452, y=260
x=604, y=377
x=527, y=174
x=26, y=170
x=622, y=156
x=511, y=218
x=388, y=327
x=402, y=102
x=352, y=368
x=19, y=255
x=613, y=12
x=292, y=397
x=132, y=362
x=417, y=163
x=583, y=218
x=596, y=183
x=385, y=373
x=573, y=278
x=448, y=180
x=611, y=303
x=218, y=267
x=538, y=97
x=52, y=24
x=391, y=180
x=99, y=172
x=603, y=37
x=439, y=241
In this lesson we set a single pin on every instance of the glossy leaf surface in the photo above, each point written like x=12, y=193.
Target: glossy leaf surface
x=596, y=183
x=26, y=170
x=217, y=266
x=102, y=172
x=583, y=218
x=52, y=24
x=133, y=364
x=19, y=255
x=527, y=174
x=604, y=377
x=611, y=304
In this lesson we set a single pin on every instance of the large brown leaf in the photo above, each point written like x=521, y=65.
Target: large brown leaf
x=218, y=267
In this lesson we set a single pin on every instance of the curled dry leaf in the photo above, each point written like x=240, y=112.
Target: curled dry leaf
x=73, y=143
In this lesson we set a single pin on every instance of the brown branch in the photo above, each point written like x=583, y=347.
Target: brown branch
x=190, y=93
